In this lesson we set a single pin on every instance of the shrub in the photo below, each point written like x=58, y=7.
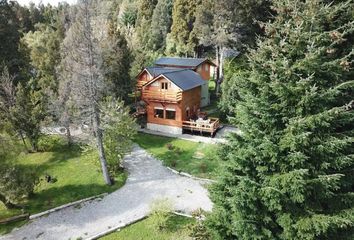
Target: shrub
x=16, y=184
x=160, y=213
x=203, y=167
x=50, y=143
x=198, y=230
x=170, y=146
x=173, y=163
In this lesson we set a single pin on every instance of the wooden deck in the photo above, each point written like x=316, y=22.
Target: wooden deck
x=209, y=126
x=162, y=96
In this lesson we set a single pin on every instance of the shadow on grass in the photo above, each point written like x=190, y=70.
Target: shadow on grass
x=56, y=196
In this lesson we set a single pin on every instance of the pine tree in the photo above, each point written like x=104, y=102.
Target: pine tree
x=160, y=25
x=116, y=63
x=143, y=22
x=289, y=175
x=82, y=63
x=183, y=18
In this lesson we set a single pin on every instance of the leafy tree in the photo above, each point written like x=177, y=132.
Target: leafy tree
x=119, y=130
x=289, y=175
x=229, y=24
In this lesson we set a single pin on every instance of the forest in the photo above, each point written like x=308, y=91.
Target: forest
x=285, y=78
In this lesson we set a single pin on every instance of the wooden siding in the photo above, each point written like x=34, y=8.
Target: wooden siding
x=204, y=70
x=152, y=119
x=191, y=100
x=143, y=78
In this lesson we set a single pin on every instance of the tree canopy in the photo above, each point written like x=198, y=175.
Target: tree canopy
x=288, y=175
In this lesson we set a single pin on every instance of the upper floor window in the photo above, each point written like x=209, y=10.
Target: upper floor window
x=199, y=69
x=206, y=67
x=164, y=85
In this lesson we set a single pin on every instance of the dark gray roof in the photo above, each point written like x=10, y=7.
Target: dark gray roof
x=156, y=71
x=181, y=62
x=185, y=79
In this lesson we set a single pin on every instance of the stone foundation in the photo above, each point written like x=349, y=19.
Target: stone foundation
x=164, y=128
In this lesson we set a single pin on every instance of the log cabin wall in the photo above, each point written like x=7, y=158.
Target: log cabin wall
x=204, y=70
x=143, y=78
x=190, y=103
x=152, y=118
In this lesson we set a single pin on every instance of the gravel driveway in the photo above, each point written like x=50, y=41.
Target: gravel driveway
x=148, y=180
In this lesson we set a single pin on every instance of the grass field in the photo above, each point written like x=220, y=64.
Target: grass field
x=195, y=158
x=177, y=228
x=77, y=174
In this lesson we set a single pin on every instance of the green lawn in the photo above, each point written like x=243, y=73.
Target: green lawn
x=177, y=228
x=194, y=158
x=77, y=174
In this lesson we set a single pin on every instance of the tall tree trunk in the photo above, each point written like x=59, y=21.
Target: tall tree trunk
x=99, y=142
x=68, y=135
x=23, y=141
x=221, y=70
x=34, y=145
x=217, y=53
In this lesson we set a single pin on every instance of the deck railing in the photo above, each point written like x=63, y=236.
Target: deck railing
x=211, y=125
x=162, y=95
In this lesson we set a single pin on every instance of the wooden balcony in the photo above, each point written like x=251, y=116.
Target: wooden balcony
x=165, y=96
x=211, y=125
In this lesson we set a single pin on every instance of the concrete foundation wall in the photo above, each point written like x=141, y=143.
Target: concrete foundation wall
x=164, y=128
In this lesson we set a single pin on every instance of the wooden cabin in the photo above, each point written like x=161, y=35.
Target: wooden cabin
x=173, y=92
x=204, y=67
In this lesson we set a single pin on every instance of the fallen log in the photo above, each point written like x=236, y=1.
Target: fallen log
x=14, y=218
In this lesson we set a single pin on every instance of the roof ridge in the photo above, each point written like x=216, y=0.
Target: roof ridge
x=183, y=57
x=177, y=70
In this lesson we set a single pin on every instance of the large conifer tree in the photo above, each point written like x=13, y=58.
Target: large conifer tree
x=290, y=174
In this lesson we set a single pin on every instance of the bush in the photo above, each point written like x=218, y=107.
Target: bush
x=119, y=131
x=203, y=167
x=198, y=230
x=16, y=184
x=50, y=143
x=170, y=146
x=160, y=213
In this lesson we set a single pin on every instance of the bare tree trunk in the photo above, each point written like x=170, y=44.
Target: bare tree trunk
x=221, y=69
x=99, y=142
x=217, y=51
x=23, y=141
x=68, y=136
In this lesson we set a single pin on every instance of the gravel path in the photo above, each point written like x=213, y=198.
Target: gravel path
x=148, y=180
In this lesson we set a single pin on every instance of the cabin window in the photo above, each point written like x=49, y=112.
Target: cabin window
x=171, y=114
x=206, y=67
x=164, y=85
x=158, y=113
